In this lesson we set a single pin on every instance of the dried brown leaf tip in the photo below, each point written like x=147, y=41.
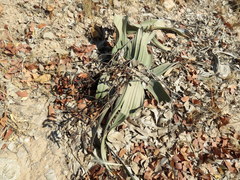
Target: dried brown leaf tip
x=82, y=104
x=3, y=120
x=96, y=171
x=83, y=51
x=223, y=120
x=122, y=152
x=22, y=93
x=7, y=134
x=45, y=78
x=185, y=98
x=41, y=26
x=10, y=49
x=51, y=113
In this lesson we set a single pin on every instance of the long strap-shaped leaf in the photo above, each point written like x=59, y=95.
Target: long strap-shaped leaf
x=160, y=69
x=155, y=24
x=137, y=43
x=144, y=57
x=156, y=43
x=121, y=25
x=129, y=102
x=158, y=92
x=103, y=88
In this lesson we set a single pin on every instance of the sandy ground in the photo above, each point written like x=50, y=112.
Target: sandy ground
x=36, y=32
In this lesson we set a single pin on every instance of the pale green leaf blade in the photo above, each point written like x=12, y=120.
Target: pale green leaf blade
x=159, y=70
x=144, y=57
x=128, y=50
x=159, y=45
x=148, y=23
x=158, y=92
x=118, y=120
x=102, y=88
x=132, y=101
x=178, y=31
x=103, y=147
x=133, y=98
x=137, y=43
x=121, y=25
x=100, y=119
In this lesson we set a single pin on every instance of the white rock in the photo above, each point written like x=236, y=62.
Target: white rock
x=70, y=14
x=169, y=4
x=50, y=175
x=11, y=146
x=9, y=169
x=61, y=51
x=224, y=71
x=22, y=153
x=49, y=35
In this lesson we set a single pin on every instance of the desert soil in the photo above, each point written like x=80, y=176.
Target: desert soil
x=44, y=133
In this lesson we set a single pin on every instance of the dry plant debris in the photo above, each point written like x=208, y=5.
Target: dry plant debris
x=51, y=61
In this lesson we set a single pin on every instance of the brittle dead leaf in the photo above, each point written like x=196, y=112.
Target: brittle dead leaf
x=83, y=75
x=3, y=120
x=185, y=98
x=51, y=110
x=171, y=35
x=232, y=88
x=229, y=166
x=148, y=174
x=45, y=78
x=31, y=66
x=22, y=93
x=42, y=25
x=7, y=134
x=81, y=104
x=122, y=152
x=196, y=102
x=10, y=49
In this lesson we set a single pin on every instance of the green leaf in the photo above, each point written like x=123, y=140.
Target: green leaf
x=144, y=57
x=158, y=92
x=128, y=51
x=156, y=43
x=100, y=119
x=159, y=70
x=127, y=104
x=121, y=25
x=158, y=24
x=133, y=97
x=139, y=47
x=137, y=44
x=103, y=147
x=178, y=31
x=103, y=88
x=146, y=25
